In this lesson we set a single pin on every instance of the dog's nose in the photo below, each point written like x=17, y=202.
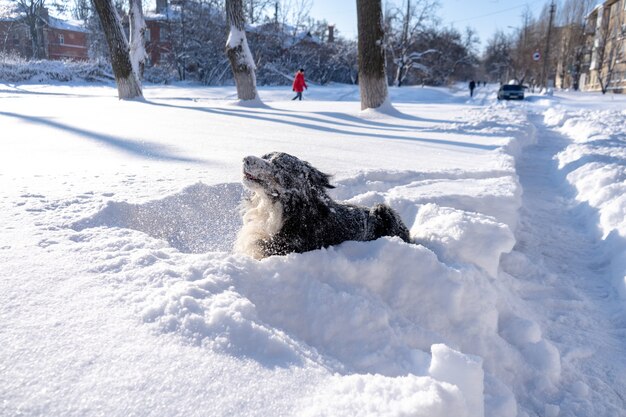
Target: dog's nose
x=247, y=161
x=253, y=162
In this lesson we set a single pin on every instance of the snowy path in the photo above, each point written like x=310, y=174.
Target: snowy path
x=567, y=285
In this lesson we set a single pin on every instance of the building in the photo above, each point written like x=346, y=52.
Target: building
x=157, y=41
x=59, y=39
x=605, y=60
x=65, y=39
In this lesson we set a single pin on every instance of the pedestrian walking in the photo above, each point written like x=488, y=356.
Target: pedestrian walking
x=299, y=84
x=472, y=86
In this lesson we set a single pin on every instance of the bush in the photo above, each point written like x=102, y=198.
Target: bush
x=16, y=69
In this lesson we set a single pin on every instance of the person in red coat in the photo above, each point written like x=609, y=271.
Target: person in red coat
x=299, y=84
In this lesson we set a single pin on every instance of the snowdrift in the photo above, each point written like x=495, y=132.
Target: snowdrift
x=595, y=164
x=422, y=327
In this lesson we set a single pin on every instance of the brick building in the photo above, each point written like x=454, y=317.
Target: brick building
x=59, y=39
x=158, y=44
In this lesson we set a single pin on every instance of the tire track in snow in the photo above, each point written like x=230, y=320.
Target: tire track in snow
x=570, y=294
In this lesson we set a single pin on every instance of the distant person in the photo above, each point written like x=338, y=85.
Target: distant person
x=472, y=86
x=299, y=84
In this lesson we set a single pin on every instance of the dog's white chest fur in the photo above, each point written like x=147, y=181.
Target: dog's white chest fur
x=262, y=218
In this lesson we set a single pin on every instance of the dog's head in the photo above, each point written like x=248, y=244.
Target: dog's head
x=278, y=173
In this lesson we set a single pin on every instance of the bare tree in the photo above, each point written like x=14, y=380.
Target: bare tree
x=80, y=9
x=292, y=14
x=238, y=52
x=412, y=18
x=138, y=28
x=371, y=54
x=34, y=14
x=522, y=65
x=255, y=9
x=576, y=12
x=610, y=51
x=128, y=86
x=497, y=58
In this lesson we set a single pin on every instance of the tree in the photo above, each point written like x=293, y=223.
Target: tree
x=572, y=18
x=610, y=50
x=80, y=10
x=454, y=56
x=255, y=9
x=522, y=65
x=293, y=12
x=404, y=26
x=138, y=28
x=498, y=58
x=371, y=54
x=128, y=86
x=238, y=52
x=34, y=14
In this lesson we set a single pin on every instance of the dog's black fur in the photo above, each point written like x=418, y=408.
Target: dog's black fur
x=290, y=211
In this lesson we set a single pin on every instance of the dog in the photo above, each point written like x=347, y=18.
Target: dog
x=288, y=210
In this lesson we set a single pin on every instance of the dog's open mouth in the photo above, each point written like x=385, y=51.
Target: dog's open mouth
x=250, y=177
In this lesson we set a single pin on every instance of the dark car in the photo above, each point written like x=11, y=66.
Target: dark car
x=511, y=92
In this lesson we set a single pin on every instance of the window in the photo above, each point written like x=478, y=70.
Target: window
x=61, y=39
x=146, y=35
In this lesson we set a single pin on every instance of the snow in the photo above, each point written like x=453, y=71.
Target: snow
x=120, y=293
x=595, y=166
x=65, y=24
x=236, y=38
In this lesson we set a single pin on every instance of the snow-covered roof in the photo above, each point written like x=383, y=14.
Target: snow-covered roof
x=53, y=22
x=73, y=25
x=8, y=14
x=167, y=15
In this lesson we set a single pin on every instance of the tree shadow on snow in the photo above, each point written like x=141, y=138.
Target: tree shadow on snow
x=139, y=148
x=299, y=123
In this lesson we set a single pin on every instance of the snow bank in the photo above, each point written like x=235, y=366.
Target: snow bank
x=458, y=235
x=377, y=395
x=464, y=371
x=595, y=164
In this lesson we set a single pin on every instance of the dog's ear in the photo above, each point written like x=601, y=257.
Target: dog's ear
x=326, y=181
x=318, y=178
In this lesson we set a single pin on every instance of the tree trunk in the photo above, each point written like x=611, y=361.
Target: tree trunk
x=138, y=28
x=128, y=86
x=238, y=52
x=372, y=77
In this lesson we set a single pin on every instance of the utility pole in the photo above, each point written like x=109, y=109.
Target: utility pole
x=546, y=55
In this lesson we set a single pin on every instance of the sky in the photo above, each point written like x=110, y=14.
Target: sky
x=486, y=16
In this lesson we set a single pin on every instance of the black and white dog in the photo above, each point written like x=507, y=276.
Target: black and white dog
x=288, y=210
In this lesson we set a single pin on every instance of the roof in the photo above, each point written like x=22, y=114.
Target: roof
x=169, y=13
x=73, y=25
x=53, y=22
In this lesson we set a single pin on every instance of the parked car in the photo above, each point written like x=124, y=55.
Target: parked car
x=511, y=92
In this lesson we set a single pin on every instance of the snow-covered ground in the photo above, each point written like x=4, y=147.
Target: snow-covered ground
x=120, y=294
